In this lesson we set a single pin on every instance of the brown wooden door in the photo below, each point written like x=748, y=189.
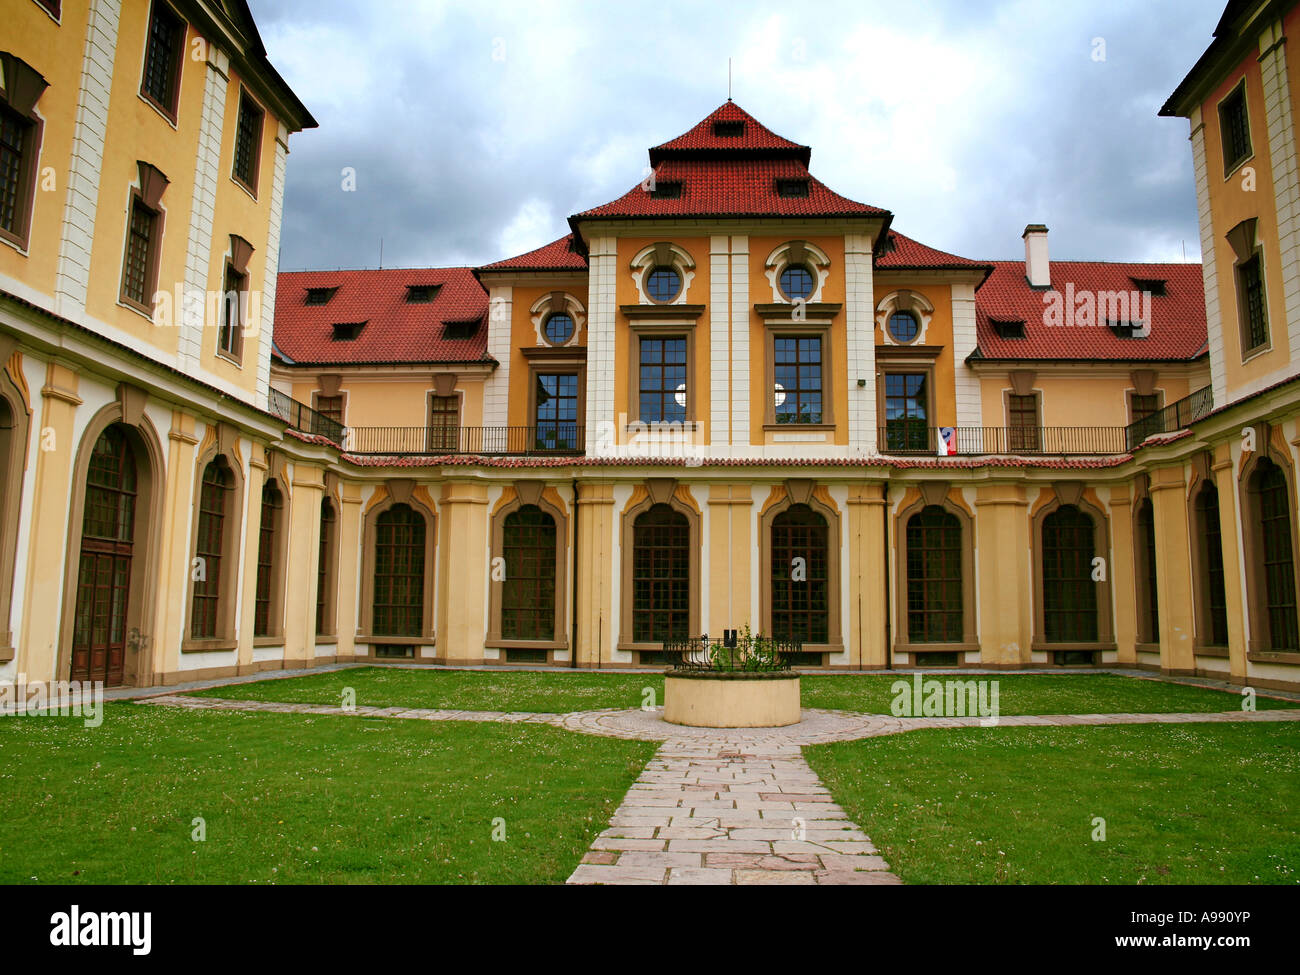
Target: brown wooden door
x=104, y=573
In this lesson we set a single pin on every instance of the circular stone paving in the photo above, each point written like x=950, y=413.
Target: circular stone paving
x=815, y=727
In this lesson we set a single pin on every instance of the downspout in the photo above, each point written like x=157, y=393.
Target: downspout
x=889, y=642
x=573, y=584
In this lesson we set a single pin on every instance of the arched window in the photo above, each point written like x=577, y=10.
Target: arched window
x=528, y=541
x=1276, y=561
x=934, y=577
x=325, y=569
x=797, y=282
x=800, y=577
x=265, y=610
x=663, y=283
x=214, y=504
x=399, y=572
x=1069, y=592
x=104, y=573
x=1148, y=594
x=661, y=576
x=1209, y=536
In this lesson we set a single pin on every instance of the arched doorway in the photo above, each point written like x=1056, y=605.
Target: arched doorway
x=100, y=626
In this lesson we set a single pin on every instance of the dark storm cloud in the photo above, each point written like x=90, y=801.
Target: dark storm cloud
x=474, y=130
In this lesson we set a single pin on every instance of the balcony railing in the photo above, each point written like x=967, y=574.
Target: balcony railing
x=544, y=438
x=1175, y=416
x=908, y=438
x=303, y=418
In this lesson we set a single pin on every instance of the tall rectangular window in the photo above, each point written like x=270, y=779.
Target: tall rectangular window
x=248, y=142
x=1234, y=129
x=557, y=411
x=230, y=340
x=906, y=411
x=1143, y=406
x=663, y=380
x=1254, y=314
x=140, y=271
x=1022, y=421
x=330, y=407
x=444, y=423
x=164, y=54
x=797, y=362
x=15, y=167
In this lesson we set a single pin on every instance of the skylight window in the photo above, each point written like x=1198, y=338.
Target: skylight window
x=792, y=187
x=320, y=296
x=347, y=331
x=729, y=130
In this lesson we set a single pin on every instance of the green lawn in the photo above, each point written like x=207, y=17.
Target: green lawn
x=300, y=799
x=477, y=690
x=1183, y=804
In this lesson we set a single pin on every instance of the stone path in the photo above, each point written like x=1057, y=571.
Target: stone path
x=719, y=806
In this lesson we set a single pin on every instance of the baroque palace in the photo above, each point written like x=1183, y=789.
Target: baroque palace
x=729, y=398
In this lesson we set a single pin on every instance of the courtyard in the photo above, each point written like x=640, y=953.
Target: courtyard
x=388, y=774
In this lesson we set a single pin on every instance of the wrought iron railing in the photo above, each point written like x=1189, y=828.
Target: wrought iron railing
x=543, y=438
x=908, y=438
x=744, y=653
x=1175, y=416
x=303, y=418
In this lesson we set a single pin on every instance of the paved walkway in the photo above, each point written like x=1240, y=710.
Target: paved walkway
x=719, y=806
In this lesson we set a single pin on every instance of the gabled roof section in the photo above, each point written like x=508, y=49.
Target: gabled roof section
x=729, y=165
x=729, y=130
x=558, y=255
x=1177, y=330
x=898, y=252
x=396, y=331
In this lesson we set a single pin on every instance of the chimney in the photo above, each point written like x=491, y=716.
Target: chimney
x=1037, y=267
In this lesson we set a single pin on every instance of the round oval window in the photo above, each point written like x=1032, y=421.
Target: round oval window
x=903, y=326
x=559, y=328
x=796, y=282
x=663, y=284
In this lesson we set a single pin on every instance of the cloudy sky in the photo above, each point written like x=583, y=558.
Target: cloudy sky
x=475, y=128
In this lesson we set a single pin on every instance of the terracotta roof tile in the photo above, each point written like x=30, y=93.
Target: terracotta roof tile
x=705, y=137
x=558, y=255
x=904, y=252
x=1177, y=328
x=395, y=331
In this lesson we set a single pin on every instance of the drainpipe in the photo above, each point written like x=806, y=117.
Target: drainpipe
x=889, y=651
x=573, y=584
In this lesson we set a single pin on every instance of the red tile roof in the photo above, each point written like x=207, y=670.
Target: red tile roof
x=730, y=188
x=1177, y=328
x=558, y=255
x=396, y=331
x=702, y=139
x=901, y=252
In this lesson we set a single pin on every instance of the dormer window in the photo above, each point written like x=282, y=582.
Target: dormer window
x=1128, y=330
x=421, y=294
x=1155, y=287
x=347, y=331
x=729, y=130
x=1008, y=328
x=667, y=190
x=792, y=187
x=319, y=296
x=460, y=330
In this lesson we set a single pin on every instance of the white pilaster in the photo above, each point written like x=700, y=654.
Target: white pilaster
x=719, y=343
x=1286, y=187
x=1209, y=263
x=860, y=320
x=963, y=344
x=496, y=392
x=267, y=318
x=740, y=378
x=601, y=322
x=73, y=275
x=198, y=248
